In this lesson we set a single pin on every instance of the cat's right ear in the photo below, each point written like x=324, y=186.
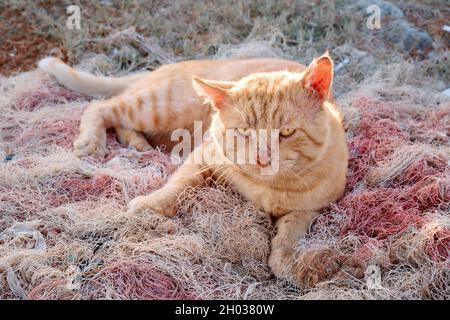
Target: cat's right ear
x=319, y=76
x=213, y=91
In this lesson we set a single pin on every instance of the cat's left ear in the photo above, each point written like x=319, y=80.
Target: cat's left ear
x=319, y=76
x=214, y=91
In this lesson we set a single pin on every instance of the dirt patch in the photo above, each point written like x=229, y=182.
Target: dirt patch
x=20, y=45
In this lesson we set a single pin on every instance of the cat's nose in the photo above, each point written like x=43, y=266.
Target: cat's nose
x=263, y=161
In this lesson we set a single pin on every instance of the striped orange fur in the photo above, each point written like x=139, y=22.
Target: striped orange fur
x=239, y=95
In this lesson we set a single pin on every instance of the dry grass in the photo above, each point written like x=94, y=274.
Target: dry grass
x=175, y=30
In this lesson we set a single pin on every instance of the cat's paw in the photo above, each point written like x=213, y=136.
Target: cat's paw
x=139, y=144
x=158, y=202
x=133, y=139
x=90, y=146
x=279, y=263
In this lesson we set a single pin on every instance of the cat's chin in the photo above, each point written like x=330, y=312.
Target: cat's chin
x=259, y=173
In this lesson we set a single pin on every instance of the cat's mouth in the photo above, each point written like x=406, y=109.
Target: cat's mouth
x=265, y=172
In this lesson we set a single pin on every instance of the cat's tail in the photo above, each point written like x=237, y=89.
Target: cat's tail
x=84, y=82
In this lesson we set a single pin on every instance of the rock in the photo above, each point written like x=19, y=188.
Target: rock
x=398, y=31
x=401, y=33
x=387, y=8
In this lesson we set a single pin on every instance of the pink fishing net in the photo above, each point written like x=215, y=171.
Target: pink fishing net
x=64, y=233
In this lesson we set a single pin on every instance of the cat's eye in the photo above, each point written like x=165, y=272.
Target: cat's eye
x=244, y=132
x=286, y=132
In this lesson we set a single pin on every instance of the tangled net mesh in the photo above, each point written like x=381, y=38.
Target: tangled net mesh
x=64, y=233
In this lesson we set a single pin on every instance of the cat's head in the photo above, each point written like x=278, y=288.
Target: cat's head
x=291, y=106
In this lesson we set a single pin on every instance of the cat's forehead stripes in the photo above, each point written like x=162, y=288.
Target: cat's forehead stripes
x=267, y=98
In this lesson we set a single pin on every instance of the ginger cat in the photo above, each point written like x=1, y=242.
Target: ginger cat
x=241, y=95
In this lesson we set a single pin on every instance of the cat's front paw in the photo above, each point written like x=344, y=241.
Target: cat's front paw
x=158, y=202
x=90, y=146
x=140, y=144
x=280, y=264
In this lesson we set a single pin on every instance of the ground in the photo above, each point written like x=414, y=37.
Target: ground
x=64, y=233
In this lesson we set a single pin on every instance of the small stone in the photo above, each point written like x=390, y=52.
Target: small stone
x=446, y=92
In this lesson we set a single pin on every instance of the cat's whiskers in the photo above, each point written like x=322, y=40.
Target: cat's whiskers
x=223, y=167
x=206, y=168
x=228, y=176
x=300, y=179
